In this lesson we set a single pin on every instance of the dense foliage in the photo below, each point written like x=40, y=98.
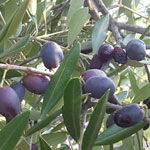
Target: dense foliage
x=74, y=74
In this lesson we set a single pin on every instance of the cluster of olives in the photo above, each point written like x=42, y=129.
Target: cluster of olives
x=11, y=96
x=127, y=116
x=135, y=50
x=97, y=82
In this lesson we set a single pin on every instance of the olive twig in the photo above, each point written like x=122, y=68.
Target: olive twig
x=25, y=69
x=138, y=139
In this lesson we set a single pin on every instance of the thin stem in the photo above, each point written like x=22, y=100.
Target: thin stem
x=25, y=69
x=138, y=139
x=147, y=72
x=37, y=102
x=3, y=77
x=111, y=147
x=82, y=128
x=31, y=137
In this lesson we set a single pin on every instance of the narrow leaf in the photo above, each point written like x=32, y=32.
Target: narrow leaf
x=43, y=144
x=75, y=28
x=99, y=32
x=74, y=7
x=115, y=133
x=32, y=6
x=58, y=82
x=16, y=48
x=12, y=25
x=143, y=94
x=11, y=133
x=43, y=123
x=133, y=82
x=95, y=123
x=72, y=104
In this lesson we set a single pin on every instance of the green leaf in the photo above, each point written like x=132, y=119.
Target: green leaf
x=115, y=133
x=134, y=85
x=128, y=38
x=43, y=123
x=53, y=139
x=72, y=104
x=128, y=143
x=134, y=63
x=58, y=82
x=95, y=123
x=11, y=133
x=145, y=32
x=74, y=7
x=43, y=144
x=99, y=32
x=16, y=48
x=32, y=6
x=12, y=25
x=75, y=28
x=143, y=94
x=107, y=2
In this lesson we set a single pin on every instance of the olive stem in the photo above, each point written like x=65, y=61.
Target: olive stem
x=37, y=102
x=138, y=139
x=147, y=72
x=82, y=128
x=25, y=69
x=111, y=147
x=31, y=137
x=3, y=77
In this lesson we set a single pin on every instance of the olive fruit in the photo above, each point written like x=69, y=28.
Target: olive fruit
x=9, y=103
x=110, y=120
x=51, y=54
x=93, y=72
x=96, y=62
x=129, y=115
x=105, y=52
x=120, y=55
x=97, y=86
x=136, y=49
x=19, y=89
x=36, y=83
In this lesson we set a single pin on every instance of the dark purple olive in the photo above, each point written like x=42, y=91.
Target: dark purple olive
x=129, y=115
x=105, y=52
x=96, y=62
x=110, y=120
x=36, y=83
x=120, y=55
x=93, y=72
x=9, y=103
x=51, y=55
x=97, y=86
x=34, y=147
x=136, y=49
x=19, y=89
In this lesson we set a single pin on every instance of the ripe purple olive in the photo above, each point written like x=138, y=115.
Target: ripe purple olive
x=93, y=72
x=96, y=62
x=105, y=52
x=36, y=83
x=19, y=89
x=51, y=54
x=97, y=86
x=129, y=115
x=9, y=103
x=136, y=49
x=120, y=55
x=110, y=120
